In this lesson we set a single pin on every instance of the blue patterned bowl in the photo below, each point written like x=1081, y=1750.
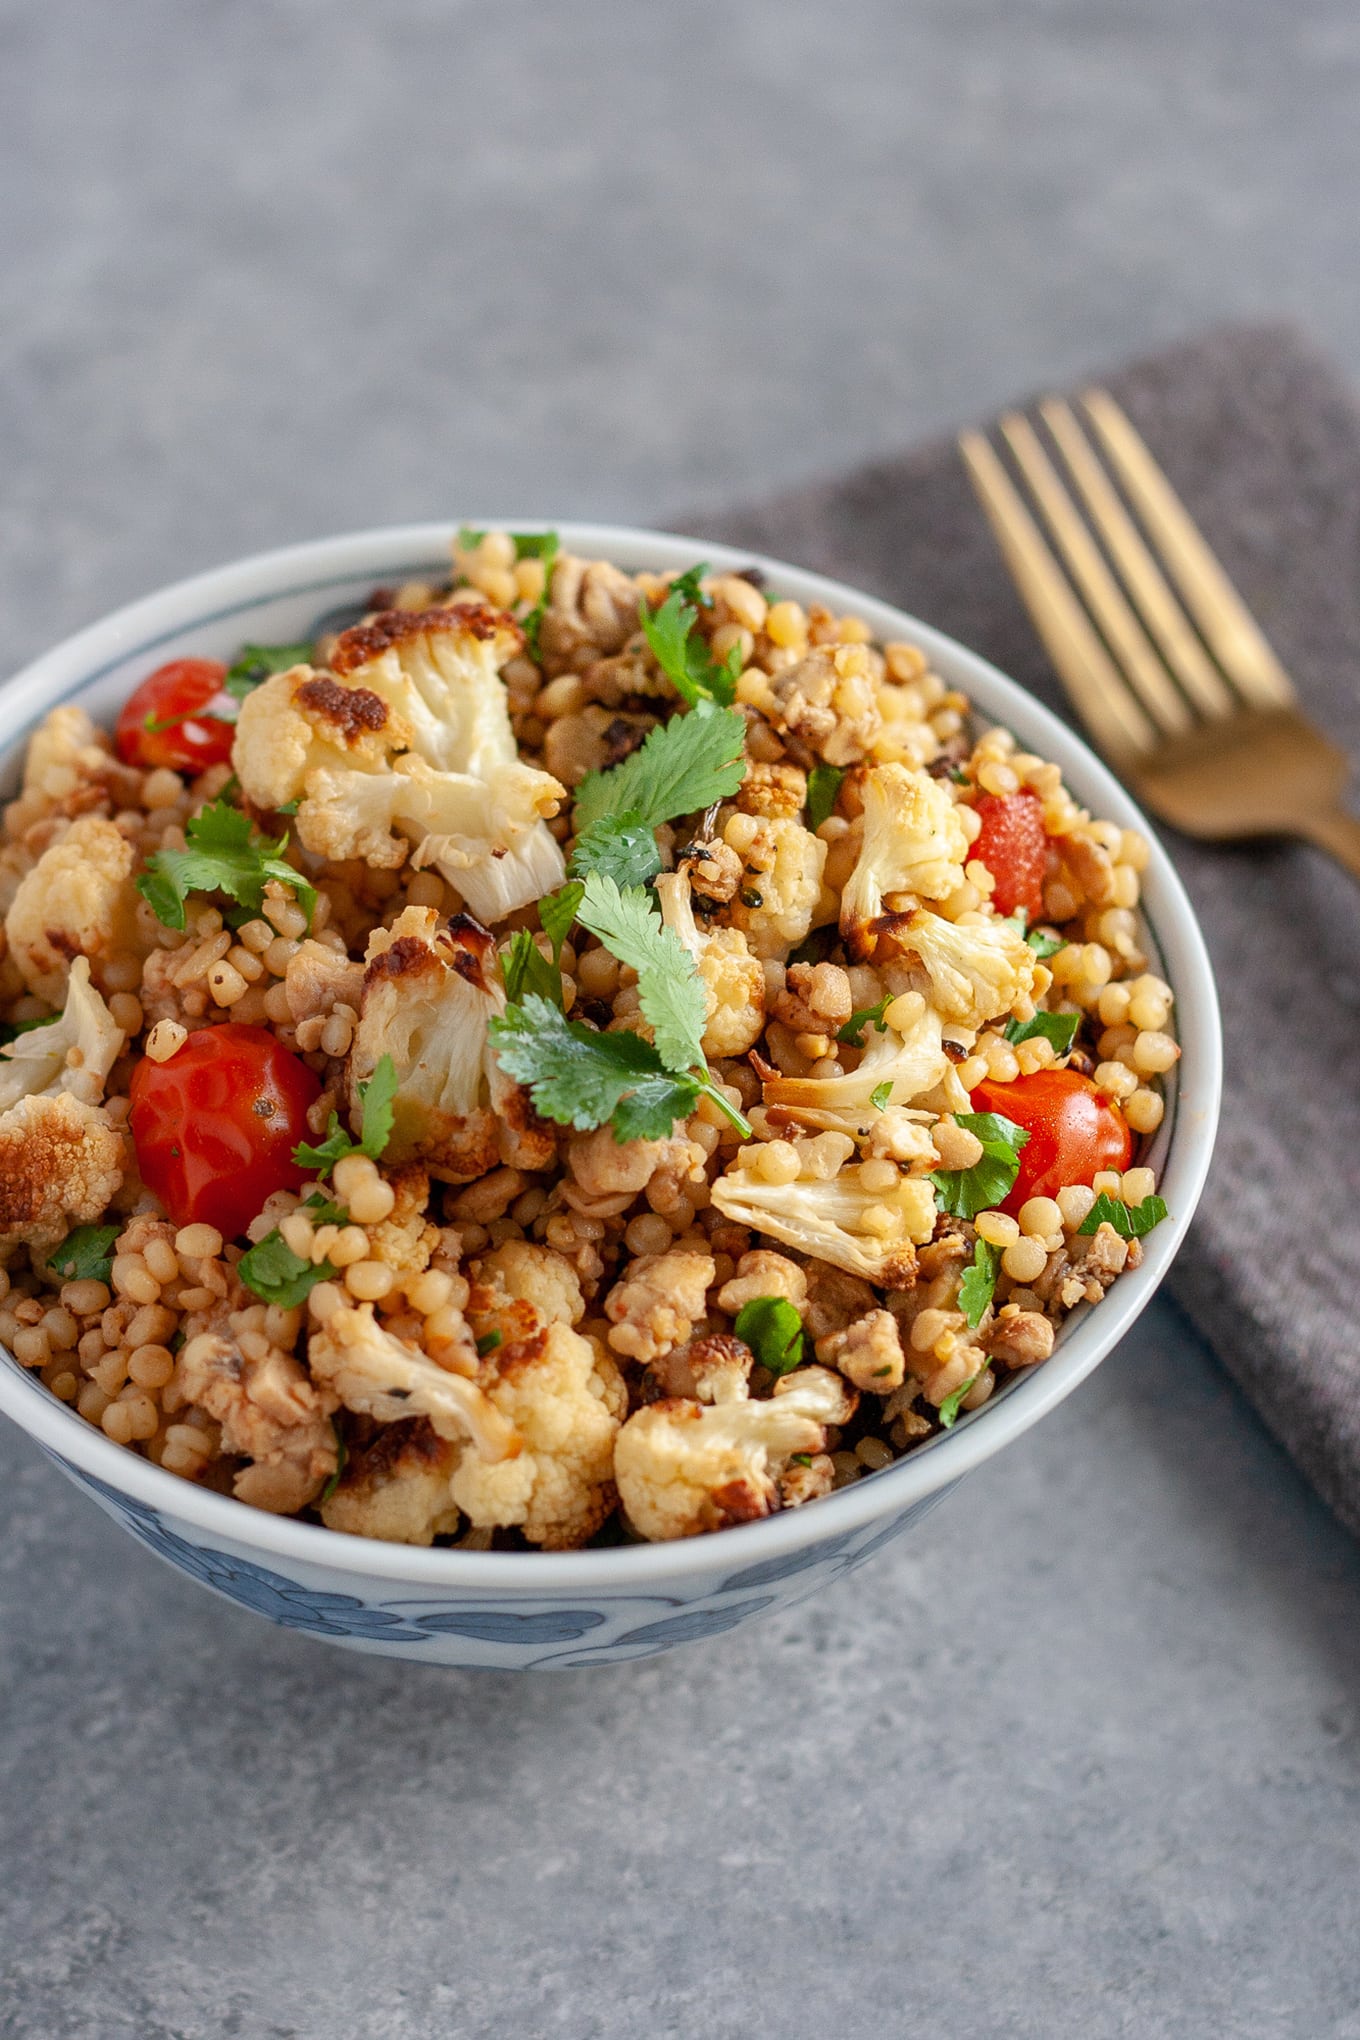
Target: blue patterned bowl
x=529, y=1610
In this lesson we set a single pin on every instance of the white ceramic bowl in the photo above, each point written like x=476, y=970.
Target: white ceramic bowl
x=526, y=1610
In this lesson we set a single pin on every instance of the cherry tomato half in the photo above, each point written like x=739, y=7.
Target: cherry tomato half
x=158, y=725
x=1013, y=844
x=1073, y=1131
x=216, y=1125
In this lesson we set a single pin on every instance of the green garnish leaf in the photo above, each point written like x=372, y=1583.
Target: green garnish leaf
x=682, y=652
x=323, y=1211
x=622, y=847
x=948, y=1411
x=468, y=538
x=537, y=545
x=375, y=1119
x=580, y=1078
x=818, y=945
x=881, y=1093
x=684, y=765
x=278, y=1275
x=1059, y=1028
x=225, y=854
x=526, y=969
x=978, y=1286
x=689, y=586
x=1044, y=944
x=557, y=914
x=853, y=1031
x=772, y=1328
x=341, y=1461
x=670, y=989
x=256, y=662
x=85, y=1254
x=964, y=1192
x=1130, y=1221
x=824, y=783
x=488, y=1343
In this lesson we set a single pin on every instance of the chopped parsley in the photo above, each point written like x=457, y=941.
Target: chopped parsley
x=962, y=1193
x=881, y=1093
x=773, y=1330
x=1059, y=1028
x=278, y=1275
x=948, y=1412
x=255, y=663
x=682, y=652
x=1130, y=1221
x=526, y=969
x=341, y=1461
x=824, y=783
x=224, y=853
x=488, y=1343
x=375, y=1119
x=1042, y=943
x=85, y=1255
x=853, y=1031
x=979, y=1282
x=537, y=545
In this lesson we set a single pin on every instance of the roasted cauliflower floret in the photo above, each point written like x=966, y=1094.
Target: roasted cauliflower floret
x=658, y=1302
x=733, y=981
x=379, y=1375
x=61, y=1165
x=829, y=700
x=396, y=1487
x=715, y=1368
x=684, y=1468
x=782, y=866
x=914, y=843
x=525, y=1273
x=270, y=1414
x=909, y=1063
x=561, y=1396
x=868, y=1353
x=872, y=1233
x=409, y=737
x=763, y=1273
x=977, y=969
x=74, y=1052
x=78, y=900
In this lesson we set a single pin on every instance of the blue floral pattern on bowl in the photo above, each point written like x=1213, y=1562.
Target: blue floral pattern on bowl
x=497, y=1630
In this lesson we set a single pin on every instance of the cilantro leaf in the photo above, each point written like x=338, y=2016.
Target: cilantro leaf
x=1042, y=944
x=1059, y=1028
x=979, y=1282
x=1130, y=1221
x=684, y=765
x=278, y=1275
x=341, y=1461
x=84, y=1255
x=650, y=1111
x=670, y=989
x=682, y=652
x=537, y=545
x=255, y=663
x=689, y=586
x=375, y=1118
x=557, y=914
x=526, y=968
x=853, y=1031
x=948, y=1412
x=824, y=783
x=622, y=847
x=773, y=1330
x=964, y=1192
x=574, y=1075
x=880, y=1094
x=223, y=854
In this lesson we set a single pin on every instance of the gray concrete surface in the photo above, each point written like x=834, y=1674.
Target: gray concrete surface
x=1081, y=1756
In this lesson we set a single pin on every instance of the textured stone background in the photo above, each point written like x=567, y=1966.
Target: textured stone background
x=1081, y=1756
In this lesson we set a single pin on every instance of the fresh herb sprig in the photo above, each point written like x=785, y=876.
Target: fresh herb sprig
x=223, y=853
x=772, y=1328
x=85, y=1255
x=682, y=651
x=852, y=1033
x=278, y=1275
x=978, y=1286
x=962, y=1193
x=255, y=663
x=375, y=1120
x=823, y=786
x=1059, y=1028
x=1130, y=1221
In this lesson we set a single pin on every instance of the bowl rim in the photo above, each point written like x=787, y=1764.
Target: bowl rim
x=316, y=565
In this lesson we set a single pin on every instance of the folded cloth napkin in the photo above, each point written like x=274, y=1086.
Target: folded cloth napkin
x=1262, y=440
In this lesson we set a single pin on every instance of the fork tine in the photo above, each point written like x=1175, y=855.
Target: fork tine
x=1094, y=684
x=1165, y=618
x=1095, y=583
x=1223, y=617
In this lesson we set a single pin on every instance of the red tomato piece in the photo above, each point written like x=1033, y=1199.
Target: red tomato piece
x=1013, y=844
x=1073, y=1129
x=159, y=726
x=216, y=1125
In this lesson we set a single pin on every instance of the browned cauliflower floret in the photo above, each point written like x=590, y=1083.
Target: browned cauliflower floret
x=867, y=1231
x=868, y=1353
x=409, y=737
x=733, y=981
x=61, y=1165
x=592, y=612
x=977, y=969
x=776, y=791
x=816, y=998
x=74, y=1052
x=525, y=1273
x=379, y=1375
x=78, y=900
x=763, y=1273
x=829, y=700
x=604, y=1175
x=561, y=1396
x=1021, y=1338
x=658, y=1302
x=684, y=1468
x=782, y=866
x=396, y=1487
x=909, y=1062
x=270, y=1414
x=914, y=844
x=712, y=1369
x=319, y=978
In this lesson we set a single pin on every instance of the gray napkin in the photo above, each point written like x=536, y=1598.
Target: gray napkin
x=1262, y=439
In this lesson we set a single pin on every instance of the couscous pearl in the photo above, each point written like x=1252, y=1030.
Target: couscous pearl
x=1144, y=1111
x=1137, y=1184
x=1107, y=1183
x=198, y=1242
x=1040, y=1216
x=1024, y=1260
x=369, y=1280
x=1154, y=1052
x=1074, y=1203
x=998, y=1228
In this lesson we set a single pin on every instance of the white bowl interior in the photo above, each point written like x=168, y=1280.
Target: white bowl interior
x=278, y=597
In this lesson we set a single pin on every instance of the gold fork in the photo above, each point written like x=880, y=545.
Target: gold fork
x=1180, y=690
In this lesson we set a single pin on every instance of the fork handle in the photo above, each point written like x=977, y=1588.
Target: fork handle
x=1336, y=832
